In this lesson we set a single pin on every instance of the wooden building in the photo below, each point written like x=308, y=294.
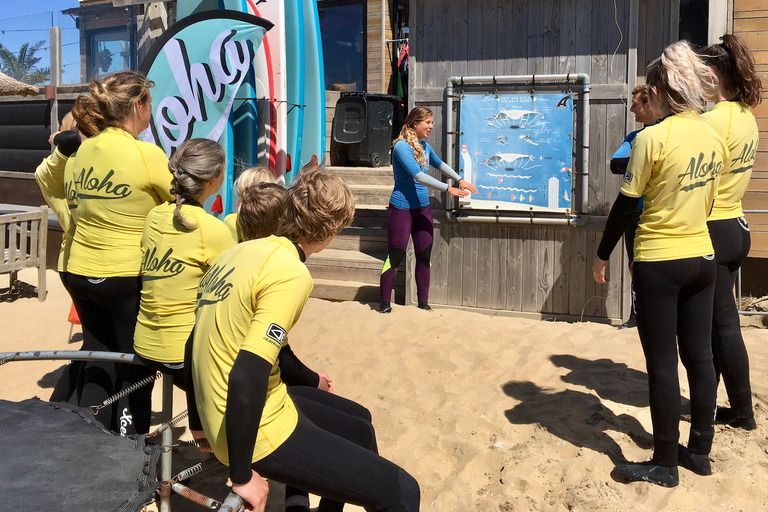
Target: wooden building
x=542, y=269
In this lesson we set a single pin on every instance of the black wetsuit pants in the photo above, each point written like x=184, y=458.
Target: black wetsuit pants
x=674, y=299
x=332, y=453
x=108, y=308
x=731, y=240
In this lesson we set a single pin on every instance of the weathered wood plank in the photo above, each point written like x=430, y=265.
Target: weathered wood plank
x=489, y=44
x=550, y=32
x=499, y=249
x=469, y=274
x=514, y=270
x=597, y=159
x=577, y=257
x=531, y=269
x=567, y=26
x=749, y=5
x=519, y=30
x=455, y=261
x=459, y=37
x=475, y=44
x=535, y=38
x=485, y=270
x=438, y=290
x=750, y=24
x=546, y=265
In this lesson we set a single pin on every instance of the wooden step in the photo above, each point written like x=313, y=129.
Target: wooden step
x=375, y=195
x=361, y=238
x=365, y=175
x=346, y=265
x=331, y=289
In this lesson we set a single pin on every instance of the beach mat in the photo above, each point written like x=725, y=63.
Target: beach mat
x=57, y=457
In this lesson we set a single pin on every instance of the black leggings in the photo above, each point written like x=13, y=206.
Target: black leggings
x=674, y=298
x=332, y=453
x=108, y=308
x=731, y=240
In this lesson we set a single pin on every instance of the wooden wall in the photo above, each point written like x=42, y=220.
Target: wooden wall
x=538, y=269
x=750, y=22
x=378, y=64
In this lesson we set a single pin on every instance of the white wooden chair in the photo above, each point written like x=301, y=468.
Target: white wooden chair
x=23, y=242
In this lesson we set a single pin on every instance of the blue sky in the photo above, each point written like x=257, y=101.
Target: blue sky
x=23, y=21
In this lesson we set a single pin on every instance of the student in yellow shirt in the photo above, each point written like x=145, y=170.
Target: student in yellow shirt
x=179, y=243
x=739, y=88
x=82, y=122
x=249, y=177
x=117, y=179
x=674, y=166
x=247, y=302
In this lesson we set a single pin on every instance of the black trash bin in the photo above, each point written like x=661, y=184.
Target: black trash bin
x=364, y=123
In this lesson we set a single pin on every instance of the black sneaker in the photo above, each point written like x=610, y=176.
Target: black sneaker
x=665, y=476
x=424, y=306
x=726, y=416
x=385, y=307
x=696, y=462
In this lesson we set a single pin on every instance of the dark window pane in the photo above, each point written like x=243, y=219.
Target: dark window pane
x=694, y=21
x=342, y=28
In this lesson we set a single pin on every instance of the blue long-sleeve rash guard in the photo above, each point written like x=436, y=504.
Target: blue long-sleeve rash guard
x=411, y=179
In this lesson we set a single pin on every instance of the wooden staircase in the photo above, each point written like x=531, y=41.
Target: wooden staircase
x=350, y=267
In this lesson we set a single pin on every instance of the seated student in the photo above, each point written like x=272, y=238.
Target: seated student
x=260, y=288
x=179, y=243
x=249, y=177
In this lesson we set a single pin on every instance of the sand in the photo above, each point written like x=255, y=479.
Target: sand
x=488, y=413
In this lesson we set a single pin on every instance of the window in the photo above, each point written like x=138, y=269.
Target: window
x=694, y=21
x=342, y=25
x=110, y=50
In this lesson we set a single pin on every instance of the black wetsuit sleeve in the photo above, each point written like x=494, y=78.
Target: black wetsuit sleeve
x=67, y=142
x=621, y=212
x=293, y=372
x=194, y=416
x=619, y=165
x=246, y=396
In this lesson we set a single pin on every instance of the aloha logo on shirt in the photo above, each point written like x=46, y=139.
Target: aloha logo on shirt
x=746, y=159
x=91, y=186
x=161, y=268
x=700, y=172
x=214, y=286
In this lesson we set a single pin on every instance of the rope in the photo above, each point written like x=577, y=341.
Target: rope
x=120, y=394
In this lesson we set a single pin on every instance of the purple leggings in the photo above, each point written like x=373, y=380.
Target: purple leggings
x=402, y=224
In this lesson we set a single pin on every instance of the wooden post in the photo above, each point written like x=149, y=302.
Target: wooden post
x=55, y=40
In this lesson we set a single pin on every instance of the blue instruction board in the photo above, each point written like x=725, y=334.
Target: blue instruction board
x=517, y=149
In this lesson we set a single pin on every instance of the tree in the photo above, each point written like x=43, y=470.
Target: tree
x=22, y=66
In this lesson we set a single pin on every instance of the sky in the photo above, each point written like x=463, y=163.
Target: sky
x=23, y=21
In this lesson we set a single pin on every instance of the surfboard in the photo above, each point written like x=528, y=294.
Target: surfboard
x=274, y=11
x=294, y=58
x=219, y=203
x=264, y=85
x=313, y=130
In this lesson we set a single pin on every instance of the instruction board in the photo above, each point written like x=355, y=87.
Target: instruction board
x=517, y=149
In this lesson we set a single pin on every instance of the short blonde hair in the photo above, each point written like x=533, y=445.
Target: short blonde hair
x=261, y=211
x=252, y=176
x=317, y=206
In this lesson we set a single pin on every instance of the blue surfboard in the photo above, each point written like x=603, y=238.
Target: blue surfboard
x=294, y=47
x=313, y=139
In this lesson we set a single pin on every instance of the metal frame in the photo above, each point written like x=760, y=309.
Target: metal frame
x=580, y=81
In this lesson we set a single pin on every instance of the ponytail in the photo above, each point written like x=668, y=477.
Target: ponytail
x=734, y=66
x=683, y=81
x=193, y=164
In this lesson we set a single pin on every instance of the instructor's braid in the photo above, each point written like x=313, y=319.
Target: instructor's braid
x=194, y=163
x=407, y=134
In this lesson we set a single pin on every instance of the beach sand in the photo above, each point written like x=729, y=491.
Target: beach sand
x=488, y=413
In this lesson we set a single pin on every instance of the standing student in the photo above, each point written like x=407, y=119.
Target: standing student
x=179, y=243
x=410, y=215
x=82, y=122
x=619, y=160
x=675, y=166
x=116, y=180
x=738, y=89
x=260, y=287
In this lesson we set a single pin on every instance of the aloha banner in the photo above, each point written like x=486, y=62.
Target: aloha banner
x=197, y=66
